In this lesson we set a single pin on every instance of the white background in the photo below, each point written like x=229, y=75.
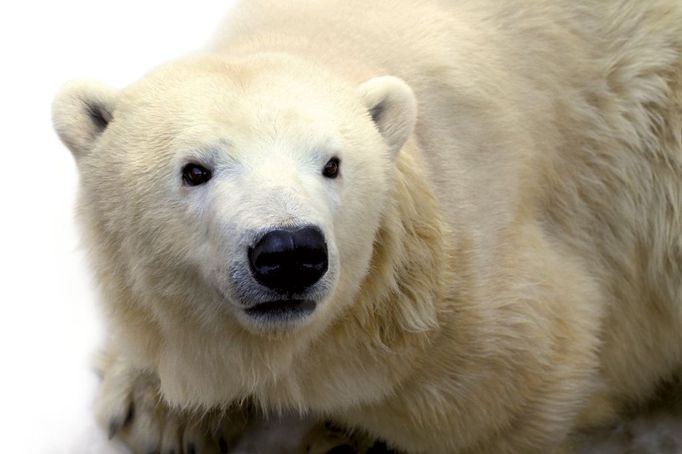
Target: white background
x=48, y=321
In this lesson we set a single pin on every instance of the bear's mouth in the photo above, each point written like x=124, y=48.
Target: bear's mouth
x=282, y=309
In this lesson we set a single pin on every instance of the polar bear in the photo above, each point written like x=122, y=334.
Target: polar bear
x=449, y=226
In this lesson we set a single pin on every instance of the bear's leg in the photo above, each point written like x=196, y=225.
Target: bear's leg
x=129, y=407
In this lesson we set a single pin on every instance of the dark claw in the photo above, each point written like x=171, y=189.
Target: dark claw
x=379, y=447
x=342, y=449
x=130, y=415
x=114, y=426
x=222, y=444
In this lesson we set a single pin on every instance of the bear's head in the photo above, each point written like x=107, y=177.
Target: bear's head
x=249, y=190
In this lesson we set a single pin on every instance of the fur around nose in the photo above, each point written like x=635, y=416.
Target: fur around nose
x=289, y=260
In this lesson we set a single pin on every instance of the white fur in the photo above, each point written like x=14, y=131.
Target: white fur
x=504, y=265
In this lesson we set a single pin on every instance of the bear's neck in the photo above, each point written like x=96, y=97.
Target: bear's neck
x=404, y=302
x=400, y=300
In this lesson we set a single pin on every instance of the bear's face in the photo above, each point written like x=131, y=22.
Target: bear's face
x=251, y=190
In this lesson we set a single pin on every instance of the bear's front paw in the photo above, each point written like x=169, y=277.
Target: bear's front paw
x=129, y=408
x=329, y=438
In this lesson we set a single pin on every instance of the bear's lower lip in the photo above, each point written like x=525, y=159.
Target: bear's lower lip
x=284, y=309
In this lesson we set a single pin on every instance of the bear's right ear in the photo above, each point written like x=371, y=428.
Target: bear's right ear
x=81, y=112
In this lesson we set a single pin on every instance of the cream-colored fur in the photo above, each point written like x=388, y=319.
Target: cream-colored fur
x=505, y=272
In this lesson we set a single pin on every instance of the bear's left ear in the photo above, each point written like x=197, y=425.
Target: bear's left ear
x=81, y=112
x=393, y=107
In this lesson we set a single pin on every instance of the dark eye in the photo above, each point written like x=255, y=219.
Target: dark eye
x=194, y=175
x=331, y=168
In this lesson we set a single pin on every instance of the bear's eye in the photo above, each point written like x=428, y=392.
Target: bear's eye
x=331, y=168
x=194, y=175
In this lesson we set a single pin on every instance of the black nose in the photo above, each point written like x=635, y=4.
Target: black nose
x=289, y=260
